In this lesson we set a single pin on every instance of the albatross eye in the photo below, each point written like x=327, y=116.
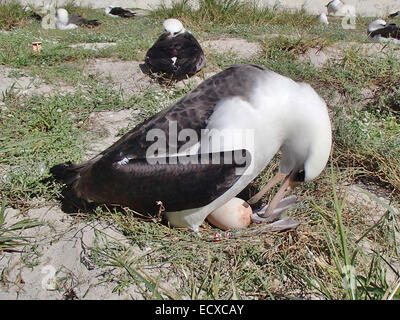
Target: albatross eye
x=298, y=176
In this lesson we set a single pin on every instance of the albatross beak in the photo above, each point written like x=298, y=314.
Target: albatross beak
x=271, y=183
x=287, y=186
x=275, y=208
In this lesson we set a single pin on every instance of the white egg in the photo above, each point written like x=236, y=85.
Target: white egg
x=235, y=214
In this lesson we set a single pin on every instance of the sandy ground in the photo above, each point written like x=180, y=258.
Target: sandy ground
x=60, y=253
x=234, y=46
x=125, y=74
x=22, y=83
x=109, y=123
x=59, y=261
x=320, y=56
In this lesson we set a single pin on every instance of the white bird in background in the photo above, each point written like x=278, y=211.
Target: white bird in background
x=64, y=21
x=334, y=6
x=323, y=19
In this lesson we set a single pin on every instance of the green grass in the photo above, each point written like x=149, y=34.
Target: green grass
x=38, y=131
x=362, y=276
x=9, y=237
x=12, y=15
x=230, y=12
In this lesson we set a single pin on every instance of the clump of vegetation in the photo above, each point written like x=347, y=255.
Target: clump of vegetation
x=231, y=12
x=12, y=15
x=9, y=238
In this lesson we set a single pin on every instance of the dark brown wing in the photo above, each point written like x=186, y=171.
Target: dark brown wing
x=80, y=21
x=187, y=182
x=394, y=15
x=191, y=58
x=118, y=11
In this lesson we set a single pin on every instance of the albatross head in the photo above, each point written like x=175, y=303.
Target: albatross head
x=62, y=16
x=376, y=25
x=173, y=27
x=306, y=149
x=306, y=142
x=108, y=9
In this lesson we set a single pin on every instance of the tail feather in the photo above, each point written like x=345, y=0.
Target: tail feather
x=129, y=15
x=91, y=23
x=66, y=172
x=80, y=21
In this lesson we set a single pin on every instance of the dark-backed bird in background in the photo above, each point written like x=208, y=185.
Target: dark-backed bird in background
x=270, y=112
x=394, y=15
x=379, y=30
x=176, y=53
x=118, y=12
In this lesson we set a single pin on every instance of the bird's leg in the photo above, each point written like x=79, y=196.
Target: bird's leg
x=271, y=183
x=273, y=211
x=287, y=186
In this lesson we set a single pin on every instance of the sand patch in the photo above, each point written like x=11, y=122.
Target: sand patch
x=57, y=262
x=321, y=56
x=108, y=124
x=239, y=47
x=93, y=46
x=126, y=75
x=368, y=198
x=19, y=81
x=201, y=76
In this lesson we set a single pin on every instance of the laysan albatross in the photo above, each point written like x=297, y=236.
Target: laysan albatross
x=280, y=114
x=64, y=21
x=118, y=12
x=394, y=14
x=176, y=53
x=379, y=30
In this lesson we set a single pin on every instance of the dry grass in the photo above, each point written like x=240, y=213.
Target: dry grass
x=12, y=15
